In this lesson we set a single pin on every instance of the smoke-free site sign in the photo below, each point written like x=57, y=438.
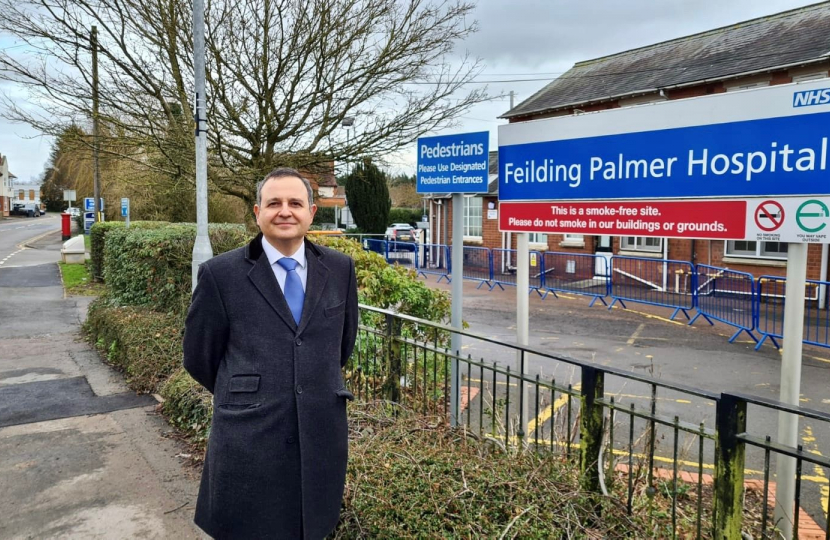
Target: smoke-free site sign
x=453, y=163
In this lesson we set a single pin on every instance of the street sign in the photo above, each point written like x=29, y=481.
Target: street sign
x=69, y=195
x=454, y=163
x=125, y=207
x=754, y=143
x=89, y=220
x=89, y=204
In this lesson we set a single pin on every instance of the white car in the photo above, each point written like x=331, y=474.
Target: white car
x=75, y=211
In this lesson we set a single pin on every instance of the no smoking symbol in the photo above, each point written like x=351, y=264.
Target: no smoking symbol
x=769, y=216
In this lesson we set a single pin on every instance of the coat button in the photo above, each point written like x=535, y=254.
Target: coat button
x=290, y=440
x=298, y=342
x=299, y=389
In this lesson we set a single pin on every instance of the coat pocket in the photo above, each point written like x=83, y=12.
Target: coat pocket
x=343, y=393
x=236, y=407
x=336, y=310
x=243, y=383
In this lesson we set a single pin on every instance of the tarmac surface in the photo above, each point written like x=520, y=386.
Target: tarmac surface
x=82, y=455
x=642, y=340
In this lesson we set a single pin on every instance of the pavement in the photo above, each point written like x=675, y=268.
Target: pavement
x=82, y=455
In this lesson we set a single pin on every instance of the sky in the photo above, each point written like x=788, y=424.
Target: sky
x=517, y=40
x=541, y=39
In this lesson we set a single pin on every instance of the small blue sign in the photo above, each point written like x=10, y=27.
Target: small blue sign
x=89, y=204
x=89, y=220
x=125, y=207
x=454, y=163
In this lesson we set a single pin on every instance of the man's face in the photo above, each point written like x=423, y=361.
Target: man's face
x=284, y=215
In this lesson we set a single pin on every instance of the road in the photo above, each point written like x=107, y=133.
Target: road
x=642, y=340
x=82, y=456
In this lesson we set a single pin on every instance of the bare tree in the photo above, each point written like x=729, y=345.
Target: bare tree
x=282, y=76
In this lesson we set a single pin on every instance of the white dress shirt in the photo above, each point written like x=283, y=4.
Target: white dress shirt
x=274, y=255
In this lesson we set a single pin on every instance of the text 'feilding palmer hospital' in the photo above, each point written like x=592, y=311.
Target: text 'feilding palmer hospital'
x=445, y=174
x=696, y=163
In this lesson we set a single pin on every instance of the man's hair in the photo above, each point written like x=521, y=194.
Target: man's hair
x=282, y=172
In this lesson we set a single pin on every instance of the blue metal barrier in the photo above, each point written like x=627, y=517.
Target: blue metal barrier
x=403, y=253
x=504, y=269
x=726, y=296
x=478, y=265
x=376, y=245
x=658, y=282
x=434, y=259
x=577, y=273
x=771, y=293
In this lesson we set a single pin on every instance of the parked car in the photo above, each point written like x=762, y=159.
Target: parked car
x=401, y=232
x=75, y=211
x=27, y=209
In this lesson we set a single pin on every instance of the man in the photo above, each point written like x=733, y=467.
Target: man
x=269, y=328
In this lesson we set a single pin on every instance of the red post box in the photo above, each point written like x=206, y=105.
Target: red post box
x=66, y=226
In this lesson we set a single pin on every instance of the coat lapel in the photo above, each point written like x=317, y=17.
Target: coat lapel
x=315, y=284
x=264, y=280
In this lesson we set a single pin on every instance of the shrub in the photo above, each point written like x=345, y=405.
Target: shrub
x=146, y=345
x=152, y=267
x=405, y=215
x=98, y=234
x=391, y=286
x=323, y=215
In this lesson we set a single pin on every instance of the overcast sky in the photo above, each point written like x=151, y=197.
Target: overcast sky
x=541, y=39
x=518, y=39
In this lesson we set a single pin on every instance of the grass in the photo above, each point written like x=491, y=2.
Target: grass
x=87, y=242
x=77, y=281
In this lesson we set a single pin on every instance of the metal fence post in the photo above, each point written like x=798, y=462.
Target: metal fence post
x=590, y=429
x=730, y=420
x=392, y=385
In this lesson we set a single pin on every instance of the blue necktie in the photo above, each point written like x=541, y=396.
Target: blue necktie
x=293, y=288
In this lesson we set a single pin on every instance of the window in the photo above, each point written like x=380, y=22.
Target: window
x=810, y=76
x=641, y=243
x=20, y=194
x=472, y=216
x=751, y=248
x=537, y=238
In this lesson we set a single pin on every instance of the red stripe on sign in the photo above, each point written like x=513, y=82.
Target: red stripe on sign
x=722, y=220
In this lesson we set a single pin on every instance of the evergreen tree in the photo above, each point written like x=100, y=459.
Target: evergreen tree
x=368, y=197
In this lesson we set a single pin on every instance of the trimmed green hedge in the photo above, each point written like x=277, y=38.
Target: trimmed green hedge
x=405, y=215
x=98, y=234
x=152, y=266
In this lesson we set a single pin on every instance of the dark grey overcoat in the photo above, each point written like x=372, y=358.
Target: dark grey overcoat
x=276, y=458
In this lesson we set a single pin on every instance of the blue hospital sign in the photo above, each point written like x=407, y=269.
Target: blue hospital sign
x=757, y=143
x=453, y=163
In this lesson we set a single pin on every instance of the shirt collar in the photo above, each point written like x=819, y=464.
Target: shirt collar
x=274, y=254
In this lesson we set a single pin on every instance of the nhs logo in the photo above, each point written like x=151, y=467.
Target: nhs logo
x=806, y=98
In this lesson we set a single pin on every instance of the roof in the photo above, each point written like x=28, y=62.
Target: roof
x=795, y=37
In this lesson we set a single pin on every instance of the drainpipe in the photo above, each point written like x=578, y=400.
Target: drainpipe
x=822, y=291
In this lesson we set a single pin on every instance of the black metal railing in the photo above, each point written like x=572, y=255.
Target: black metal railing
x=632, y=435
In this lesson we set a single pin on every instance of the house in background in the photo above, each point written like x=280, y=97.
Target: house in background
x=26, y=194
x=787, y=47
x=6, y=194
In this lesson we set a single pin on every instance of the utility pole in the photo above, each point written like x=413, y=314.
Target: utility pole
x=202, y=250
x=96, y=179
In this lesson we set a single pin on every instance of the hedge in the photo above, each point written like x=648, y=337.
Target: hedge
x=98, y=233
x=405, y=215
x=152, y=266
